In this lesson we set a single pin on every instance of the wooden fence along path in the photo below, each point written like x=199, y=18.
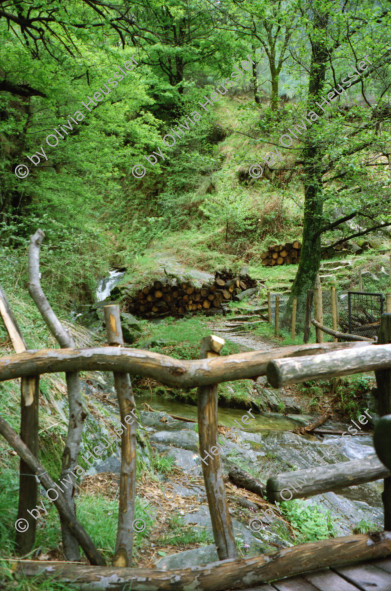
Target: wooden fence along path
x=286, y=365
x=205, y=373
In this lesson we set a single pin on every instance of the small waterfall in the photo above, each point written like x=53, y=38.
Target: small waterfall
x=106, y=285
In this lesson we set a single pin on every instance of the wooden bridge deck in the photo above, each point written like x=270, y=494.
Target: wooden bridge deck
x=370, y=576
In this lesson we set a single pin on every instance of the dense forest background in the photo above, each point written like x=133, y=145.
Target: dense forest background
x=199, y=201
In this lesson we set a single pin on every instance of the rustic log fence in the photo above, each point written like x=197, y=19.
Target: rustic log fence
x=357, y=314
x=328, y=359
x=285, y=365
x=373, y=358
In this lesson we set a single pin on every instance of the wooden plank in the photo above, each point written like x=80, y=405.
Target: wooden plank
x=366, y=577
x=329, y=581
x=321, y=479
x=210, y=458
x=282, y=372
x=294, y=584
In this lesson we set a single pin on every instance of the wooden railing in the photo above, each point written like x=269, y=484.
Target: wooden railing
x=283, y=366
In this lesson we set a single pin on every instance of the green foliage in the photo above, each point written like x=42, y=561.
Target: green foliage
x=182, y=534
x=364, y=526
x=350, y=393
x=21, y=583
x=161, y=463
x=310, y=522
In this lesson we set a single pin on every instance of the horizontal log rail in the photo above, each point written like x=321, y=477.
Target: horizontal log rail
x=281, y=372
x=223, y=575
x=322, y=479
x=165, y=369
x=340, y=335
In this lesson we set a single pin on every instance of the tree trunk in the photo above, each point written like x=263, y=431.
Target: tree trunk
x=312, y=156
x=274, y=74
x=257, y=98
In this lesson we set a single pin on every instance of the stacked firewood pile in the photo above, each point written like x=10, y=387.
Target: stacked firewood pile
x=175, y=297
x=282, y=254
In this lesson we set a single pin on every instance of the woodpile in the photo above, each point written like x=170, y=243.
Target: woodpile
x=282, y=254
x=175, y=297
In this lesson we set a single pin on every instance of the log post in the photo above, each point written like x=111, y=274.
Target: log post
x=277, y=316
x=383, y=379
x=388, y=303
x=211, y=465
x=318, y=309
x=29, y=405
x=127, y=490
x=294, y=313
x=308, y=310
x=77, y=413
x=269, y=307
x=334, y=310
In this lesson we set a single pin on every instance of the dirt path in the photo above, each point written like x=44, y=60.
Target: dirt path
x=247, y=342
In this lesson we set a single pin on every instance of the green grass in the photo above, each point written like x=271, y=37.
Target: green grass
x=161, y=463
x=97, y=514
x=181, y=534
x=179, y=338
x=364, y=526
x=20, y=583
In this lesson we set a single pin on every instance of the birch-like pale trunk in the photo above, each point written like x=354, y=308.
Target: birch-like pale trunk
x=77, y=414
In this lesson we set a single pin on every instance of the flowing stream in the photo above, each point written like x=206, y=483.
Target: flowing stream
x=106, y=284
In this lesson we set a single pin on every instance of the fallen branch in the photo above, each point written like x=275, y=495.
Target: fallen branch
x=340, y=335
x=245, y=480
x=332, y=432
x=219, y=576
x=309, y=428
x=61, y=502
x=164, y=369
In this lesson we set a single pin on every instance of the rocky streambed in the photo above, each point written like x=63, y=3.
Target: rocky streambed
x=264, y=447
